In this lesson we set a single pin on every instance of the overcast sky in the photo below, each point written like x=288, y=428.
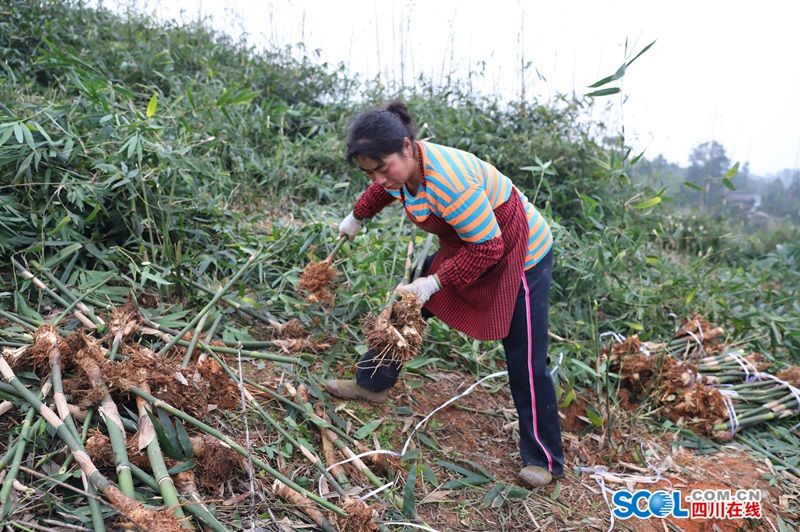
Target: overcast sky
x=719, y=70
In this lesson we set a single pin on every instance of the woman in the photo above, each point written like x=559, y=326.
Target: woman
x=490, y=279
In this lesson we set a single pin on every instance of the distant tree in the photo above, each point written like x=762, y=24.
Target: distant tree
x=793, y=198
x=707, y=161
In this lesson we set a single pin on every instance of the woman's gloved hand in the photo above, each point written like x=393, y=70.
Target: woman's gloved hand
x=423, y=288
x=349, y=227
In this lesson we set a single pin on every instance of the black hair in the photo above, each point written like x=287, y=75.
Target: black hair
x=380, y=132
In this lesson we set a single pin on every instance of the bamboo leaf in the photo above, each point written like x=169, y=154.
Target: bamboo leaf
x=151, y=107
x=367, y=429
x=6, y=135
x=692, y=185
x=429, y=475
x=568, y=398
x=18, y=133
x=640, y=53
x=63, y=223
x=24, y=167
x=594, y=417
x=728, y=183
x=409, y=503
x=473, y=479
x=603, y=92
x=183, y=466
x=732, y=172
x=185, y=441
x=649, y=203
x=26, y=132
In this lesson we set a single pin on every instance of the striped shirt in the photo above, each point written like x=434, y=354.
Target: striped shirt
x=464, y=191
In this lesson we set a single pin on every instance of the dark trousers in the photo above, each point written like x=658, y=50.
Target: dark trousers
x=526, y=359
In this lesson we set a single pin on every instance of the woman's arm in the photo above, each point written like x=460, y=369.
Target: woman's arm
x=371, y=202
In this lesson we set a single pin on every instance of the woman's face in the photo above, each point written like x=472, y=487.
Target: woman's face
x=393, y=171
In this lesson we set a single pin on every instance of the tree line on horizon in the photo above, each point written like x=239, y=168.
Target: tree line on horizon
x=714, y=184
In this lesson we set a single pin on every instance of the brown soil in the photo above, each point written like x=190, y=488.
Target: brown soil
x=477, y=433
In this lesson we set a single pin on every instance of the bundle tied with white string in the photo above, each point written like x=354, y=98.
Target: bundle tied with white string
x=711, y=394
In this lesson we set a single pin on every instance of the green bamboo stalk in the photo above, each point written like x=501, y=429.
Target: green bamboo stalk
x=197, y=508
x=208, y=429
x=227, y=350
x=335, y=249
x=48, y=335
x=264, y=316
x=78, y=300
x=8, y=456
x=305, y=451
x=387, y=307
x=98, y=480
x=61, y=301
x=773, y=410
x=424, y=255
x=211, y=304
x=196, y=336
x=267, y=418
x=26, y=322
x=16, y=460
x=160, y=472
x=318, y=421
x=114, y=426
x=776, y=460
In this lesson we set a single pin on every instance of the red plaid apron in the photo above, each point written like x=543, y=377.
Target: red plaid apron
x=482, y=309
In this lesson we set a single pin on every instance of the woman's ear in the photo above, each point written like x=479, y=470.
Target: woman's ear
x=408, y=147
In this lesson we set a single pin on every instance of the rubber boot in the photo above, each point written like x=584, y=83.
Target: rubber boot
x=535, y=476
x=349, y=389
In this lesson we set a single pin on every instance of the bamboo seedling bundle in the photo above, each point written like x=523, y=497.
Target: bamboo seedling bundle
x=712, y=394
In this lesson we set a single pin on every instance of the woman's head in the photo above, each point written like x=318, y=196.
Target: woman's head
x=381, y=143
x=380, y=132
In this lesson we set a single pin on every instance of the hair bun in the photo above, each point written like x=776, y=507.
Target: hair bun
x=400, y=109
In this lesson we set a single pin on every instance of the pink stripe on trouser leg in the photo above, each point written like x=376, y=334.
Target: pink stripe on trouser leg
x=531, y=385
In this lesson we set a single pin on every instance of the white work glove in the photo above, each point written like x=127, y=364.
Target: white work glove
x=423, y=288
x=349, y=227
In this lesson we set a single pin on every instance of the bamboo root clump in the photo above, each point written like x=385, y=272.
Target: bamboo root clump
x=704, y=385
x=316, y=277
x=115, y=370
x=396, y=333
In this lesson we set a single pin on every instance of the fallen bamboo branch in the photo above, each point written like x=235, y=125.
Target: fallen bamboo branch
x=303, y=503
x=41, y=286
x=211, y=304
x=148, y=439
x=208, y=429
x=146, y=518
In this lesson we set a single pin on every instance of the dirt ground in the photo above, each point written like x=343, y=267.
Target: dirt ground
x=477, y=433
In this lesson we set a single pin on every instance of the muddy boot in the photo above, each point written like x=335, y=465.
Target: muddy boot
x=349, y=389
x=535, y=476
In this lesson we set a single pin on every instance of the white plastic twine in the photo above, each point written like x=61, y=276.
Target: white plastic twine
x=600, y=474
x=408, y=442
x=558, y=364
x=620, y=339
x=726, y=398
x=696, y=339
x=746, y=366
x=795, y=391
